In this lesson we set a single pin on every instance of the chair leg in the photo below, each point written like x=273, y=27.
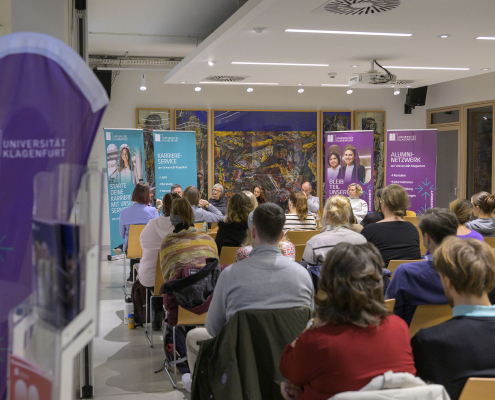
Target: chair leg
x=148, y=307
x=125, y=258
x=151, y=322
x=175, y=359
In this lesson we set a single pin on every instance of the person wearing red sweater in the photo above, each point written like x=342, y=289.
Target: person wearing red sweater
x=353, y=337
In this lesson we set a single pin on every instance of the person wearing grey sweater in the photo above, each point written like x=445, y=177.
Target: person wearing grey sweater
x=266, y=280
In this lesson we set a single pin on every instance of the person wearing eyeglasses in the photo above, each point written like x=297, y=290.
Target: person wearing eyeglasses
x=218, y=199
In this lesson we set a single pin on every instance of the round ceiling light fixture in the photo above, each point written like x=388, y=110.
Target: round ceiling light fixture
x=445, y=36
x=211, y=63
x=397, y=92
x=197, y=88
x=260, y=29
x=350, y=91
x=250, y=89
x=485, y=69
x=301, y=90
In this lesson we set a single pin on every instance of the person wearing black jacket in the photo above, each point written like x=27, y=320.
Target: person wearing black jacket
x=234, y=230
x=218, y=199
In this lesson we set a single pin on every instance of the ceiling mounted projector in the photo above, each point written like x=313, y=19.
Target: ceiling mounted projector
x=372, y=78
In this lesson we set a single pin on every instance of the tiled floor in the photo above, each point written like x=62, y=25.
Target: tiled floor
x=124, y=362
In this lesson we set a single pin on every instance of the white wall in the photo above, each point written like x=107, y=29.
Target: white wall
x=126, y=97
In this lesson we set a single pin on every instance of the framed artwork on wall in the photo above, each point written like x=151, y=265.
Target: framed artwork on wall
x=276, y=150
x=375, y=121
x=197, y=121
x=149, y=119
x=331, y=121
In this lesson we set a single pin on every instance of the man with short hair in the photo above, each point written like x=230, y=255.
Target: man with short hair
x=313, y=201
x=418, y=283
x=266, y=280
x=176, y=189
x=452, y=352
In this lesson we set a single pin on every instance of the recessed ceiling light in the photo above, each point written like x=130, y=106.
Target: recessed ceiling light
x=397, y=92
x=347, y=32
x=259, y=29
x=445, y=36
x=183, y=82
x=197, y=88
x=242, y=83
x=439, y=68
x=299, y=84
x=409, y=86
x=354, y=66
x=284, y=64
x=485, y=38
x=250, y=89
x=485, y=69
x=211, y=63
x=349, y=91
x=301, y=90
x=334, y=84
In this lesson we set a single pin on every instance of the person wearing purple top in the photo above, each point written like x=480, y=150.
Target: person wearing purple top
x=463, y=209
x=418, y=283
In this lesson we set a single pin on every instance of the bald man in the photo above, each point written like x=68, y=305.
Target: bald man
x=313, y=202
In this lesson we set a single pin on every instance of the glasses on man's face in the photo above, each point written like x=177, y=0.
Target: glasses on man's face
x=217, y=190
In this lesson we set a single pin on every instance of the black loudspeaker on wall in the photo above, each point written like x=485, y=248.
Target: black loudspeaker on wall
x=105, y=78
x=415, y=97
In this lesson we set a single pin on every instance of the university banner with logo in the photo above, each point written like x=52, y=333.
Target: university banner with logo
x=125, y=169
x=175, y=160
x=51, y=104
x=411, y=162
x=349, y=159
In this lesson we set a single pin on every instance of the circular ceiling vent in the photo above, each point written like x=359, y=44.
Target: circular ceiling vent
x=224, y=78
x=360, y=7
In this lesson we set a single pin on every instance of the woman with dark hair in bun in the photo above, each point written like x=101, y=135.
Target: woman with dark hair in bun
x=353, y=337
x=483, y=207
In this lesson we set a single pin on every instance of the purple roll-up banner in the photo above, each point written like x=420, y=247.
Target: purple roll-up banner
x=51, y=104
x=349, y=159
x=411, y=161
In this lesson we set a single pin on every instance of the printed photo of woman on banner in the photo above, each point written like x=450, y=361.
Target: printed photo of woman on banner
x=333, y=166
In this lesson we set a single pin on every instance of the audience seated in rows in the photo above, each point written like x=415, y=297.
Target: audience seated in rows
x=418, y=282
x=140, y=213
x=151, y=239
x=298, y=217
x=203, y=211
x=186, y=245
x=353, y=337
x=395, y=238
x=359, y=206
x=452, y=352
x=463, y=210
x=376, y=216
x=233, y=231
x=313, y=201
x=483, y=207
x=218, y=199
x=266, y=280
x=337, y=229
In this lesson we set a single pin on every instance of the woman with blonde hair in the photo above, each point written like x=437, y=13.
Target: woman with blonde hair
x=299, y=217
x=463, y=210
x=359, y=206
x=353, y=337
x=395, y=238
x=337, y=230
x=233, y=231
x=483, y=207
x=252, y=198
x=186, y=246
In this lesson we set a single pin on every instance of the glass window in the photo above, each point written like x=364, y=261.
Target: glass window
x=444, y=117
x=479, y=160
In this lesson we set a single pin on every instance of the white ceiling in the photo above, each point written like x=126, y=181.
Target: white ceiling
x=125, y=19
x=235, y=40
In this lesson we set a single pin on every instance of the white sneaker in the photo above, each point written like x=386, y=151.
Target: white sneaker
x=117, y=251
x=187, y=382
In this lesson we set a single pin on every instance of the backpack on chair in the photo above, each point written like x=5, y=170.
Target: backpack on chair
x=180, y=347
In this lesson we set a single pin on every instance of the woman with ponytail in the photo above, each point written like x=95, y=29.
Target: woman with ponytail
x=337, y=230
x=483, y=207
x=299, y=218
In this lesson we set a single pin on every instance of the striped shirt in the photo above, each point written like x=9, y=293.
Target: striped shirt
x=319, y=245
x=293, y=223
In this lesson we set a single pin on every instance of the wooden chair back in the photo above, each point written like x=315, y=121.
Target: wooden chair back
x=410, y=213
x=228, y=255
x=478, y=389
x=186, y=317
x=393, y=264
x=214, y=227
x=429, y=315
x=301, y=237
x=133, y=244
x=390, y=303
x=198, y=225
x=422, y=248
x=213, y=235
x=299, y=251
x=412, y=219
x=159, y=281
x=490, y=241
